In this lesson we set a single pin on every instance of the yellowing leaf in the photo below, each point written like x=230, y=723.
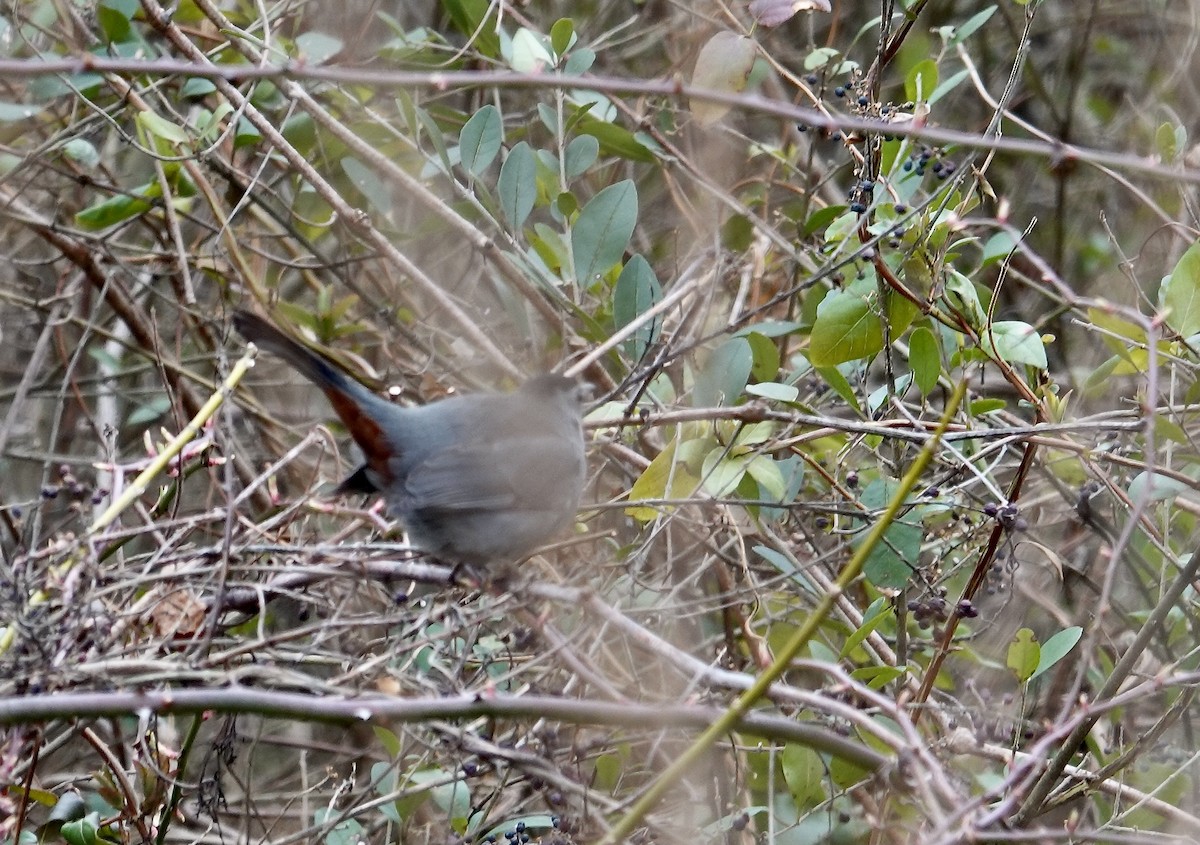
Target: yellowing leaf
x=665, y=478
x=1024, y=653
x=723, y=65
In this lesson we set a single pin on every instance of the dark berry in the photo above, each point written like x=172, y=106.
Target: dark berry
x=864, y=100
x=857, y=207
x=811, y=79
x=839, y=91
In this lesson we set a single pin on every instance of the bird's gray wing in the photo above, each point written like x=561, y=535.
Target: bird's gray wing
x=522, y=472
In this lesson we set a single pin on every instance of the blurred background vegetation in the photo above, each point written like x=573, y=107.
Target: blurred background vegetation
x=775, y=237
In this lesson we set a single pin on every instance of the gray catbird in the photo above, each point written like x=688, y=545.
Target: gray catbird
x=476, y=479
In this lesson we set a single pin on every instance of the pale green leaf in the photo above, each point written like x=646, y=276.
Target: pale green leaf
x=602, y=230
x=723, y=65
x=480, y=140
x=517, y=185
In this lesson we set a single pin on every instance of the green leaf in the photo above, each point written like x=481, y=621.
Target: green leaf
x=979, y=407
x=766, y=356
x=737, y=233
x=837, y=381
x=368, y=184
x=1118, y=334
x=820, y=219
x=530, y=53
x=960, y=293
x=1015, y=342
x=580, y=155
x=580, y=61
x=562, y=34
x=566, y=203
x=69, y=807
x=445, y=788
x=1056, y=648
x=83, y=831
x=300, y=130
x=723, y=66
x=774, y=390
x=947, y=86
x=602, y=230
x=480, y=140
x=615, y=140
x=114, y=18
x=847, y=327
x=970, y=25
x=1180, y=293
x=883, y=393
x=1024, y=654
x=1155, y=487
x=921, y=80
x=664, y=478
x=894, y=559
x=998, y=246
x=345, y=832
x=159, y=127
x=819, y=57
x=766, y=472
x=875, y=616
x=246, y=134
x=474, y=19
x=82, y=152
x=925, y=359
x=118, y=209
x=724, y=375
x=1170, y=140
x=316, y=48
x=147, y=412
x=197, y=86
x=722, y=471
x=843, y=226
x=876, y=678
x=637, y=290
x=388, y=739
x=517, y=185
x=805, y=774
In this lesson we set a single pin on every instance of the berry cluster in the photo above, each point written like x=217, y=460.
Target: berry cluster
x=78, y=491
x=929, y=158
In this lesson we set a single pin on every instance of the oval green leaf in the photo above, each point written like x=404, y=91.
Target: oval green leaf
x=480, y=140
x=847, y=327
x=637, y=290
x=925, y=359
x=517, y=185
x=602, y=230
